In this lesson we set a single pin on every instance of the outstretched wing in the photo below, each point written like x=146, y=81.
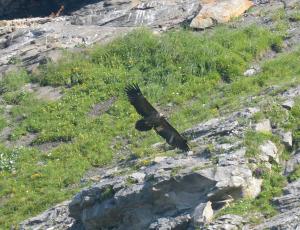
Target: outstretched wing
x=171, y=135
x=140, y=103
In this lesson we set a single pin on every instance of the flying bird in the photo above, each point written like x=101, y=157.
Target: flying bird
x=152, y=119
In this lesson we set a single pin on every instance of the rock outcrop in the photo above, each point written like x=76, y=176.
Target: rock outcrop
x=289, y=207
x=56, y=217
x=219, y=11
x=178, y=191
x=293, y=162
x=151, y=13
x=33, y=41
x=172, y=191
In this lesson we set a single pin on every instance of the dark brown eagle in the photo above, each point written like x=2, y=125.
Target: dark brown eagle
x=153, y=119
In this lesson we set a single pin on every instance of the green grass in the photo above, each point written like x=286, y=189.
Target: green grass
x=197, y=73
x=295, y=175
x=253, y=140
x=294, y=17
x=294, y=123
x=13, y=81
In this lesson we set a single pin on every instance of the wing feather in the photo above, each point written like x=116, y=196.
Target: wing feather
x=140, y=103
x=171, y=135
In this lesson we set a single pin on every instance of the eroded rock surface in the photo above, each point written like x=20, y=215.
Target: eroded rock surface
x=293, y=163
x=56, y=217
x=171, y=187
x=219, y=11
x=153, y=13
x=227, y=222
x=169, y=190
x=289, y=207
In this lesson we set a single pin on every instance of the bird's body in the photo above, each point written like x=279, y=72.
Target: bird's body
x=153, y=119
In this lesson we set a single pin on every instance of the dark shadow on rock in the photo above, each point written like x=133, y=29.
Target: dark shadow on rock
x=40, y=8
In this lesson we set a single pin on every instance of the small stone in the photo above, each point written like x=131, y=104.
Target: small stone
x=263, y=126
x=253, y=188
x=138, y=176
x=269, y=152
x=237, y=181
x=250, y=72
x=190, y=153
x=287, y=139
x=288, y=104
x=203, y=213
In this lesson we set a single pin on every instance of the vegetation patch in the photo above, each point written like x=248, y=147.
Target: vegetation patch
x=273, y=180
x=294, y=17
x=295, y=175
x=254, y=139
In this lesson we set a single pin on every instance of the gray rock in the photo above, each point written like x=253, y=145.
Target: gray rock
x=292, y=163
x=220, y=127
x=292, y=188
x=227, y=222
x=178, y=223
x=288, y=104
x=287, y=138
x=39, y=40
x=138, y=176
x=287, y=202
x=258, y=2
x=56, y=217
x=291, y=93
x=126, y=13
x=289, y=220
x=269, y=152
x=263, y=126
x=252, y=71
x=289, y=206
x=203, y=214
x=152, y=199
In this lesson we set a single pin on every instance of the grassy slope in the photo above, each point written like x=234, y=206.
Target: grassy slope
x=180, y=67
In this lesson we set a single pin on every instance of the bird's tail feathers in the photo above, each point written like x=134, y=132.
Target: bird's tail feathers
x=142, y=125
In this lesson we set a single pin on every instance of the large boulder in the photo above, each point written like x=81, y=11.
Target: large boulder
x=219, y=11
x=174, y=191
x=152, y=13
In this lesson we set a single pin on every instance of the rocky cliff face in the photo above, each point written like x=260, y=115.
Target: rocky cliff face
x=30, y=42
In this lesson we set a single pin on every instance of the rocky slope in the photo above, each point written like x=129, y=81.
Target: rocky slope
x=182, y=191
x=178, y=191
